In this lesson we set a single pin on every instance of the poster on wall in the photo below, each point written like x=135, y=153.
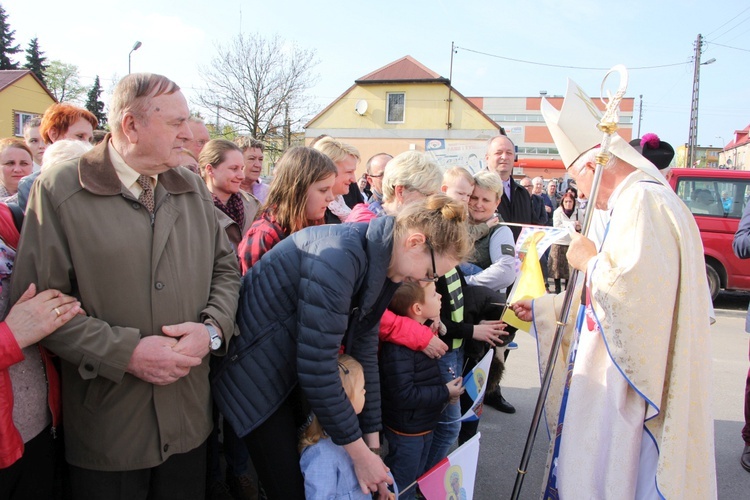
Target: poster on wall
x=456, y=153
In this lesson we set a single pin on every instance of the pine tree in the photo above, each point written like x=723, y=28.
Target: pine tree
x=6, y=42
x=93, y=103
x=35, y=60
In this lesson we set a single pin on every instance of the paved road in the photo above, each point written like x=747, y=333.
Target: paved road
x=503, y=436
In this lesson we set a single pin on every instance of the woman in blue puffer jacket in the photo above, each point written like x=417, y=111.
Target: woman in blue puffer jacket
x=321, y=290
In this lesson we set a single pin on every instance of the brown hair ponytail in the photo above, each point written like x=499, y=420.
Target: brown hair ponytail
x=441, y=219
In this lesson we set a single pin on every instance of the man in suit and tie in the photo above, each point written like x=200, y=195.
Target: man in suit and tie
x=515, y=204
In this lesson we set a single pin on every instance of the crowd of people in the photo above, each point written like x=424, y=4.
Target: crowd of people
x=158, y=294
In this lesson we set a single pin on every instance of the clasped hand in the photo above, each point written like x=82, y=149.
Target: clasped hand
x=162, y=360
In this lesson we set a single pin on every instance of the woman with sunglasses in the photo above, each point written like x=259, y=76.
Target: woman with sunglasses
x=321, y=290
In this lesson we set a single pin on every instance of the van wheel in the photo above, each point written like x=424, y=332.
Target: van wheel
x=714, y=283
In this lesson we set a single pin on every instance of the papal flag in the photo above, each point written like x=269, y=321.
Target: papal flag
x=475, y=385
x=453, y=478
x=530, y=282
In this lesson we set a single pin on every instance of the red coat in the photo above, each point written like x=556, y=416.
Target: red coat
x=11, y=444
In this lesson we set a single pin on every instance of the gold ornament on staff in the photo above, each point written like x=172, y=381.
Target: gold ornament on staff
x=608, y=126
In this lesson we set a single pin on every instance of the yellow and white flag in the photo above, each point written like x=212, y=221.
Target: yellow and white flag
x=530, y=282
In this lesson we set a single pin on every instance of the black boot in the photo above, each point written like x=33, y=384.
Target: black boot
x=496, y=400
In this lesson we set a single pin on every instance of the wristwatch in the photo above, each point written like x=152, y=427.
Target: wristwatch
x=215, y=339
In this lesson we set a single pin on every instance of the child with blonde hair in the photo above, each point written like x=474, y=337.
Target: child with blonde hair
x=327, y=468
x=458, y=183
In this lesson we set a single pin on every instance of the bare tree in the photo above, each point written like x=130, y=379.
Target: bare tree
x=253, y=83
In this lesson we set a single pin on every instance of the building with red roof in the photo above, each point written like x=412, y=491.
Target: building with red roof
x=734, y=155
x=406, y=106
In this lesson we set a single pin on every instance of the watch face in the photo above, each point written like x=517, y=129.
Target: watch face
x=215, y=343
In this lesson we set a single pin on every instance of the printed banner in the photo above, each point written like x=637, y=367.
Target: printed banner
x=468, y=154
x=453, y=478
x=549, y=236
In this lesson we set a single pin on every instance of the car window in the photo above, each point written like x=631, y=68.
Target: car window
x=714, y=197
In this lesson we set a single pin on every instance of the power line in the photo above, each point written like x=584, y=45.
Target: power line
x=732, y=19
x=729, y=47
x=739, y=23
x=565, y=66
x=736, y=37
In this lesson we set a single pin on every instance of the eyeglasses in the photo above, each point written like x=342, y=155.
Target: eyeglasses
x=374, y=176
x=427, y=279
x=434, y=277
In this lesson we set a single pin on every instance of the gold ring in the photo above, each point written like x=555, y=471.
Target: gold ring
x=57, y=311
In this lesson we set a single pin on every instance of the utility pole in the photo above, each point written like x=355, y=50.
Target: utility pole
x=448, y=124
x=693, y=134
x=640, y=114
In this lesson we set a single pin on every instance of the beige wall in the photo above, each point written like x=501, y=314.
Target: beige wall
x=370, y=147
x=24, y=95
x=426, y=108
x=425, y=117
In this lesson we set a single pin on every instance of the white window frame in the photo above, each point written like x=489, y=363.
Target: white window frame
x=19, y=120
x=388, y=107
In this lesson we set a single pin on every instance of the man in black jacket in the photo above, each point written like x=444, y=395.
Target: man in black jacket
x=515, y=204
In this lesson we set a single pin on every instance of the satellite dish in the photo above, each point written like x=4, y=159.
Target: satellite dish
x=361, y=107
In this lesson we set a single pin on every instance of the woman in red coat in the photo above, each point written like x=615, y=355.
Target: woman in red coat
x=29, y=383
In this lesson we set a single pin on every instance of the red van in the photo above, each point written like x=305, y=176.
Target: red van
x=717, y=198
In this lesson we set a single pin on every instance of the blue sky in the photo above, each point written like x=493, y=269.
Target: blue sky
x=353, y=38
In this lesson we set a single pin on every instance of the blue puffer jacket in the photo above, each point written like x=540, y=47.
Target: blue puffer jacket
x=319, y=288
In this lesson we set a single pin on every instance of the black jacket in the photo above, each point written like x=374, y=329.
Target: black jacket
x=517, y=209
x=478, y=302
x=317, y=289
x=455, y=330
x=412, y=390
x=538, y=212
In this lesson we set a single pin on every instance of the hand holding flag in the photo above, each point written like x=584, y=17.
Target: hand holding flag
x=529, y=285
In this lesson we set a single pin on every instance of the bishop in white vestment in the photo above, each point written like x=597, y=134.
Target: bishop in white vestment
x=629, y=408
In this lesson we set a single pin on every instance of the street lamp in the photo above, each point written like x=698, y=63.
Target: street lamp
x=136, y=46
x=693, y=134
x=722, y=147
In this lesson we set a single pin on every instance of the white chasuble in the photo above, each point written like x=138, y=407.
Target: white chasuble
x=636, y=412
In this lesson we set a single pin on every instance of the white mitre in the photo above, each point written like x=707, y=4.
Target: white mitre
x=574, y=131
